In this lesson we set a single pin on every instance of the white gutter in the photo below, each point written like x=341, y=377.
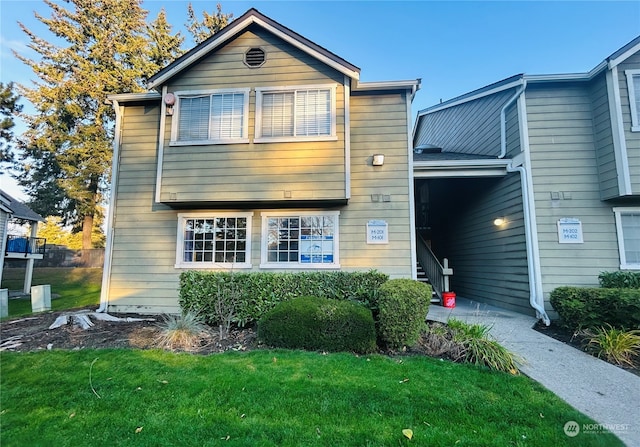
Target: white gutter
x=108, y=251
x=161, y=133
x=503, y=119
x=536, y=296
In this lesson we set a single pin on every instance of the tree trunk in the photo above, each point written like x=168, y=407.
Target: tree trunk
x=87, y=229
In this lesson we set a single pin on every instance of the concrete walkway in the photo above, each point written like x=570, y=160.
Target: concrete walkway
x=606, y=393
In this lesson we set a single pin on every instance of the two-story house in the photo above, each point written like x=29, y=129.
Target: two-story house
x=534, y=182
x=258, y=150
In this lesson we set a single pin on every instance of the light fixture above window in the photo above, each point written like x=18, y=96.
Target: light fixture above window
x=378, y=159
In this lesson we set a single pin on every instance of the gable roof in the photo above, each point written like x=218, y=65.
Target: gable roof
x=18, y=209
x=613, y=60
x=238, y=26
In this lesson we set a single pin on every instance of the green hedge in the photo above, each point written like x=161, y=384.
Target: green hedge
x=620, y=280
x=402, y=310
x=319, y=324
x=581, y=307
x=259, y=292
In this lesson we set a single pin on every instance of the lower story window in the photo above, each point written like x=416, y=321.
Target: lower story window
x=214, y=240
x=628, y=228
x=300, y=240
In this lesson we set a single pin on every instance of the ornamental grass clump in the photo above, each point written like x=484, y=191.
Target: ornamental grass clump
x=182, y=332
x=615, y=345
x=478, y=347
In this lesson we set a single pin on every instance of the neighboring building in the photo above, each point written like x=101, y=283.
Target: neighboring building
x=258, y=150
x=20, y=247
x=557, y=159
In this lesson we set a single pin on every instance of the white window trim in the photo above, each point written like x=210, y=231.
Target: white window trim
x=180, y=264
x=297, y=265
x=187, y=93
x=258, y=121
x=635, y=114
x=618, y=211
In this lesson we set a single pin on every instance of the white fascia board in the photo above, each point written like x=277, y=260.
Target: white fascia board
x=354, y=74
x=224, y=37
x=129, y=97
x=471, y=98
x=624, y=56
x=454, y=164
x=413, y=85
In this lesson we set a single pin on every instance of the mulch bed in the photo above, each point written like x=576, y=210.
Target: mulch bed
x=577, y=340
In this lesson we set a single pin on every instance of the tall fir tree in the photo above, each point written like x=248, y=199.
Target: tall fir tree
x=210, y=24
x=9, y=108
x=66, y=151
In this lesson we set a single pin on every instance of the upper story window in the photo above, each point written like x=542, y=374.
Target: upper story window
x=633, y=86
x=210, y=240
x=296, y=113
x=628, y=228
x=300, y=240
x=211, y=117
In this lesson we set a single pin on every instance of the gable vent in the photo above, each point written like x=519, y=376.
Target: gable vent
x=254, y=57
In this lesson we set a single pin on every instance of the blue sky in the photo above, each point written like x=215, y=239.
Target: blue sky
x=454, y=46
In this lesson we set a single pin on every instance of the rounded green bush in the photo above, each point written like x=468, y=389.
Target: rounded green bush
x=402, y=310
x=319, y=324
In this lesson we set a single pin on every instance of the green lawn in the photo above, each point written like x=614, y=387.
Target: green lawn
x=76, y=287
x=272, y=398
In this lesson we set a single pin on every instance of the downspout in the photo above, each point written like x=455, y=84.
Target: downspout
x=503, y=119
x=536, y=298
x=108, y=251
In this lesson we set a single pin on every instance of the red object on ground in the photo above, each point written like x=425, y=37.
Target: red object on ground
x=449, y=299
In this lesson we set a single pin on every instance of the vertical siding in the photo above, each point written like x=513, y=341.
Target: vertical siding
x=489, y=262
x=603, y=139
x=471, y=128
x=565, y=161
x=632, y=138
x=261, y=171
x=378, y=125
x=143, y=278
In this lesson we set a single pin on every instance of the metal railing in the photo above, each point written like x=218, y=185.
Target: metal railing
x=437, y=273
x=26, y=245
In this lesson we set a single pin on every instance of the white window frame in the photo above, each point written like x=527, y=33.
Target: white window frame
x=633, y=94
x=619, y=211
x=265, y=264
x=175, y=121
x=288, y=89
x=181, y=263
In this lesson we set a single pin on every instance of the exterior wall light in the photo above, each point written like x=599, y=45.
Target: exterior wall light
x=378, y=159
x=169, y=100
x=498, y=222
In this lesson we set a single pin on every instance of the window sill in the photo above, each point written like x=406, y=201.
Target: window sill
x=635, y=128
x=294, y=139
x=209, y=142
x=213, y=265
x=284, y=266
x=629, y=266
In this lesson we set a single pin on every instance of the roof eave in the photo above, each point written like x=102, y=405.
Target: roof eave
x=239, y=25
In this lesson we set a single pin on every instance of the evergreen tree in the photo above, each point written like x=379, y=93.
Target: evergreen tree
x=210, y=24
x=66, y=151
x=164, y=47
x=9, y=107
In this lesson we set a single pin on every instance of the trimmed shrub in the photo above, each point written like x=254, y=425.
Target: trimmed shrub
x=619, y=280
x=583, y=307
x=256, y=293
x=319, y=324
x=401, y=312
